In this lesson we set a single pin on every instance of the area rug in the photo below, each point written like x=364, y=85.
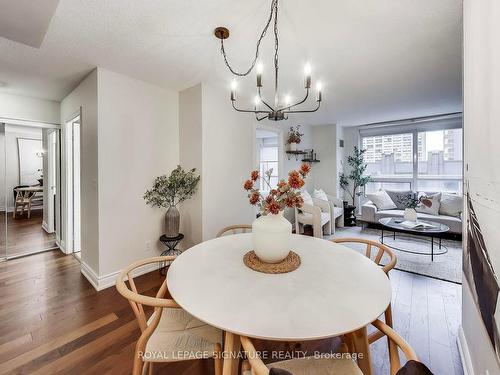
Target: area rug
x=445, y=267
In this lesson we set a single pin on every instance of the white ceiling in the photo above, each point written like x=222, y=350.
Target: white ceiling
x=26, y=21
x=377, y=59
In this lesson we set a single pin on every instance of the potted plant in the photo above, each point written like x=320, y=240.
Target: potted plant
x=293, y=138
x=168, y=192
x=411, y=202
x=271, y=231
x=355, y=180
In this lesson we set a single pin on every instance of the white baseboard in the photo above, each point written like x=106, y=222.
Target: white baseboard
x=463, y=349
x=62, y=245
x=109, y=280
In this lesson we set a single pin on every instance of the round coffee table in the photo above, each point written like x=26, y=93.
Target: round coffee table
x=433, y=230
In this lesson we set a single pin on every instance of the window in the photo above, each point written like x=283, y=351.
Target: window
x=268, y=157
x=440, y=160
x=422, y=159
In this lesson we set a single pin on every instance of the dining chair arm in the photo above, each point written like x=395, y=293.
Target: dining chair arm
x=141, y=299
x=258, y=367
x=395, y=342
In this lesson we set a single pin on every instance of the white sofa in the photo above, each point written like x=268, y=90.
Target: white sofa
x=323, y=216
x=370, y=214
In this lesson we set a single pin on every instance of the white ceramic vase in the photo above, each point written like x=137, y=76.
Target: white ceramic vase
x=271, y=235
x=410, y=214
x=292, y=146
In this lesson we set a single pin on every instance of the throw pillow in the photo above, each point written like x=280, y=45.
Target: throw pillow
x=398, y=197
x=451, y=205
x=431, y=205
x=320, y=194
x=382, y=200
x=306, y=197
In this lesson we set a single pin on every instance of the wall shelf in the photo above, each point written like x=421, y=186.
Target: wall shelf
x=297, y=154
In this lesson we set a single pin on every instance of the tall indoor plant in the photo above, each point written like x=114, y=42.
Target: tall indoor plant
x=169, y=191
x=352, y=183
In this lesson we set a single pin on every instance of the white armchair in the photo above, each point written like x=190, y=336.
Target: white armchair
x=337, y=210
x=318, y=215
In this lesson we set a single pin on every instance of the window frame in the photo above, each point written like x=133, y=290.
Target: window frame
x=455, y=122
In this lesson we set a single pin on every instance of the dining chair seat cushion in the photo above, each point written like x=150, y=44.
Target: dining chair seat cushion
x=180, y=336
x=318, y=366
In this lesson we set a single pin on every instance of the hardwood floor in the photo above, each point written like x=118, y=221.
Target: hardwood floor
x=53, y=321
x=24, y=235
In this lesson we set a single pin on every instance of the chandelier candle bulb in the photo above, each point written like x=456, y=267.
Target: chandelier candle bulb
x=307, y=71
x=233, y=90
x=318, y=87
x=259, y=74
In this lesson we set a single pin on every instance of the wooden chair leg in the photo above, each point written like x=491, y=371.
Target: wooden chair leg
x=150, y=370
x=29, y=210
x=388, y=316
x=138, y=363
x=218, y=359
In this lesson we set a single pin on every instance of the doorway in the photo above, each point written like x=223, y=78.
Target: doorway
x=29, y=160
x=72, y=155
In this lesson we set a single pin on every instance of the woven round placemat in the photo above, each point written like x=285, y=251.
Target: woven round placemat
x=289, y=264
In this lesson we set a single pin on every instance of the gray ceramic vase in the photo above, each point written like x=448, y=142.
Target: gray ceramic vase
x=172, y=219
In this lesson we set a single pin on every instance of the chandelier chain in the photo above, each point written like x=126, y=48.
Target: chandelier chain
x=274, y=11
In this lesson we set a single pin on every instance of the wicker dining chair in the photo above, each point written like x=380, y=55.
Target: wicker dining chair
x=235, y=229
x=332, y=364
x=170, y=333
x=377, y=258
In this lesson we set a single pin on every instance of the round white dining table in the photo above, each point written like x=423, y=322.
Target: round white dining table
x=336, y=290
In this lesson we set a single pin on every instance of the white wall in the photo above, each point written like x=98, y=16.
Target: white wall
x=32, y=109
x=138, y=139
x=191, y=145
x=482, y=156
x=227, y=162
x=84, y=96
x=324, y=173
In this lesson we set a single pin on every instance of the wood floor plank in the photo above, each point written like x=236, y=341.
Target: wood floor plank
x=54, y=344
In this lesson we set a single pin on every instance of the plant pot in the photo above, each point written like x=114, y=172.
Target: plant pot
x=172, y=220
x=271, y=236
x=292, y=146
x=410, y=214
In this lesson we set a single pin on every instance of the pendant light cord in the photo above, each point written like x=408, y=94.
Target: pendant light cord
x=274, y=12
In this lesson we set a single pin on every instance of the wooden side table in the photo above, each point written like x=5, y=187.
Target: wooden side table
x=171, y=244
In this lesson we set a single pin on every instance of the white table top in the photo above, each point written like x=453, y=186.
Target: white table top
x=334, y=291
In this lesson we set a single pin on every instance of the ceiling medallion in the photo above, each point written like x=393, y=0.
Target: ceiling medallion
x=282, y=107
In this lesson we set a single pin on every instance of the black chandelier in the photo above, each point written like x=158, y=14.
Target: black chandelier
x=262, y=109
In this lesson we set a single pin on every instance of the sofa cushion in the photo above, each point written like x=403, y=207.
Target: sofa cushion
x=430, y=204
x=306, y=197
x=398, y=197
x=320, y=194
x=451, y=204
x=382, y=200
x=307, y=218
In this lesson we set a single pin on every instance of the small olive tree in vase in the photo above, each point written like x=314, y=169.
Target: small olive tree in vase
x=168, y=191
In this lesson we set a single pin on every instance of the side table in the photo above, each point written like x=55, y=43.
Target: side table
x=170, y=243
